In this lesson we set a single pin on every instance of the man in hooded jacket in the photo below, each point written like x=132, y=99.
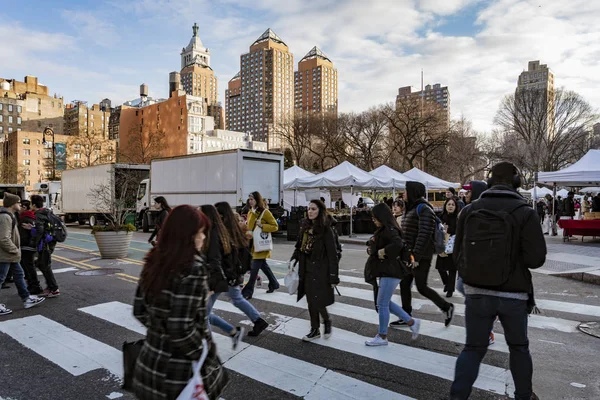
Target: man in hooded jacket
x=418, y=226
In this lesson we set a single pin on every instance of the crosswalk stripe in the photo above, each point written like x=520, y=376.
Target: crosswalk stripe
x=553, y=305
x=70, y=350
x=433, y=329
x=535, y=321
x=60, y=270
x=273, y=369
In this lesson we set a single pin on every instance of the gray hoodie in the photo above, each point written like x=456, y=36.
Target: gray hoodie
x=10, y=241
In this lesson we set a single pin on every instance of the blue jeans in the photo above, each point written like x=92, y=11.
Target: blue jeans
x=481, y=311
x=215, y=319
x=18, y=276
x=259, y=264
x=385, y=304
x=235, y=294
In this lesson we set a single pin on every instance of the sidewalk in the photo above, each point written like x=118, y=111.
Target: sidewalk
x=574, y=259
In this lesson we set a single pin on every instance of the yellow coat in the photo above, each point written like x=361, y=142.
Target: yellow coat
x=269, y=225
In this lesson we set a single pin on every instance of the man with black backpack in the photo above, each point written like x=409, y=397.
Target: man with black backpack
x=498, y=240
x=45, y=243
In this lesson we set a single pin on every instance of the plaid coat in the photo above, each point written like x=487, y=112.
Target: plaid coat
x=177, y=323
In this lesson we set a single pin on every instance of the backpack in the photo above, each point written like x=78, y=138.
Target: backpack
x=439, y=233
x=489, y=246
x=56, y=228
x=12, y=217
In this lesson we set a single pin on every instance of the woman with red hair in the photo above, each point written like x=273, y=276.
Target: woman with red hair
x=171, y=301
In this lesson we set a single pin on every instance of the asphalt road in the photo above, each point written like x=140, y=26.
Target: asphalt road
x=69, y=347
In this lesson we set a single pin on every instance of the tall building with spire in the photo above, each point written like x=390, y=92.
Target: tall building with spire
x=316, y=84
x=197, y=77
x=263, y=95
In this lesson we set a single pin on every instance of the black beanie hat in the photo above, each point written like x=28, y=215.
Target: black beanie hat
x=503, y=172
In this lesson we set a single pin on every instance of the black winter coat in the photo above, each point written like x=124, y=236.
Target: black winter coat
x=160, y=220
x=418, y=229
x=217, y=261
x=28, y=241
x=532, y=250
x=389, y=239
x=596, y=204
x=318, y=270
x=569, y=207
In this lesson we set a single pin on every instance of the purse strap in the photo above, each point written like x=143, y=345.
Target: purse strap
x=199, y=363
x=259, y=219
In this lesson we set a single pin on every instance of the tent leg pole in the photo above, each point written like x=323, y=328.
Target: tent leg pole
x=554, y=229
x=351, y=207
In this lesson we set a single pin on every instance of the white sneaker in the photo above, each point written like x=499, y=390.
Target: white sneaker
x=377, y=341
x=4, y=310
x=415, y=328
x=32, y=301
x=237, y=338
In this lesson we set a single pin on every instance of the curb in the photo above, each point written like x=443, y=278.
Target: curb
x=581, y=276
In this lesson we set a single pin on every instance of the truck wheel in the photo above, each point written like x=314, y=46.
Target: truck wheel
x=145, y=224
x=93, y=221
x=81, y=221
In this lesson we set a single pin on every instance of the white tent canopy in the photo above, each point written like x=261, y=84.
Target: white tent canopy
x=293, y=173
x=541, y=191
x=387, y=173
x=292, y=197
x=430, y=181
x=585, y=172
x=344, y=175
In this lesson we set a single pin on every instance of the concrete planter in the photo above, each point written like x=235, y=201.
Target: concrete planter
x=113, y=244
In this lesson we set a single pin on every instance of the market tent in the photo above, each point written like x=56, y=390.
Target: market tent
x=541, y=191
x=344, y=175
x=590, y=189
x=292, y=198
x=585, y=172
x=387, y=173
x=430, y=181
x=562, y=193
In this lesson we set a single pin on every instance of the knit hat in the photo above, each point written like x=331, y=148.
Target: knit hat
x=503, y=172
x=10, y=199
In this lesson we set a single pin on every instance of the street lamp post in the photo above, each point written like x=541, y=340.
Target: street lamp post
x=50, y=131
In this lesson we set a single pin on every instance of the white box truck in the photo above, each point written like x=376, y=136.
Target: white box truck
x=51, y=192
x=208, y=178
x=78, y=184
x=13, y=188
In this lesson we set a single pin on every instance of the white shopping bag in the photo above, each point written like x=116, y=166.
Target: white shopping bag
x=194, y=390
x=262, y=240
x=450, y=245
x=291, y=280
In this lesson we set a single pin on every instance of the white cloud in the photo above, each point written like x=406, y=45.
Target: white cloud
x=91, y=27
x=377, y=46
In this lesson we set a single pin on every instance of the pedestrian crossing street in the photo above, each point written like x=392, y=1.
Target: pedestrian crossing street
x=78, y=354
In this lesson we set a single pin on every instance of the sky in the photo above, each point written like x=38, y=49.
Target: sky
x=90, y=50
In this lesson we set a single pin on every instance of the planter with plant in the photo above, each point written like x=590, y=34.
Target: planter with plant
x=115, y=200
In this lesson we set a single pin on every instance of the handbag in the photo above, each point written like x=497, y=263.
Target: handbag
x=291, y=280
x=194, y=390
x=262, y=241
x=131, y=351
x=450, y=244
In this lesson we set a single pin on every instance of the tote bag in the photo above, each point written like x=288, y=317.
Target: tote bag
x=194, y=390
x=450, y=244
x=291, y=280
x=262, y=240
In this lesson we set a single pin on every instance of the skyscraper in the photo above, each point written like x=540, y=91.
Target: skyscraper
x=538, y=77
x=316, y=86
x=197, y=77
x=437, y=93
x=265, y=90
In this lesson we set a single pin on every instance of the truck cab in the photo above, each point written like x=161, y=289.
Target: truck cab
x=51, y=192
x=144, y=214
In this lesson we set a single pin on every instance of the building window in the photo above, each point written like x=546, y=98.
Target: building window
x=10, y=119
x=26, y=141
x=18, y=120
x=10, y=108
x=26, y=162
x=26, y=152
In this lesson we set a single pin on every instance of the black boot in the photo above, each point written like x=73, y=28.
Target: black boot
x=327, y=334
x=312, y=335
x=259, y=326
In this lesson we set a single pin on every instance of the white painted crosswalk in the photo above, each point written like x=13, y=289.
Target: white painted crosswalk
x=78, y=354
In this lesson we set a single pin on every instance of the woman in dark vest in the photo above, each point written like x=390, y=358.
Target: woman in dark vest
x=317, y=255
x=160, y=204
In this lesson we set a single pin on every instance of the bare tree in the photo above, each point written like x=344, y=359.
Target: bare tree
x=417, y=131
x=90, y=148
x=366, y=137
x=296, y=136
x=143, y=145
x=328, y=143
x=11, y=171
x=546, y=130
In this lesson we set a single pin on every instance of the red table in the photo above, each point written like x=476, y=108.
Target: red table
x=579, y=227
